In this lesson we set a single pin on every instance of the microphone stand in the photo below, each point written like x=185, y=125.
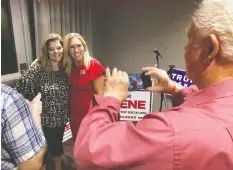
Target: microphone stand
x=161, y=94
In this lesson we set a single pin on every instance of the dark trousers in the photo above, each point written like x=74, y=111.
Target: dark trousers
x=54, y=137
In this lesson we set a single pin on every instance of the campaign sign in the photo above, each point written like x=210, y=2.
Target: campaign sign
x=67, y=132
x=135, y=106
x=179, y=77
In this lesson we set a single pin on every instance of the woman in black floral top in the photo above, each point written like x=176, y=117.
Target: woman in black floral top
x=49, y=77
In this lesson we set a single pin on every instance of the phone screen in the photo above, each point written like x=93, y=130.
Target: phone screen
x=139, y=81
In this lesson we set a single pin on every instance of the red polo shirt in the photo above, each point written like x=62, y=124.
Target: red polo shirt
x=197, y=135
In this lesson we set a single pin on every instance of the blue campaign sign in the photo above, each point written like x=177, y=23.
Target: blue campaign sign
x=179, y=77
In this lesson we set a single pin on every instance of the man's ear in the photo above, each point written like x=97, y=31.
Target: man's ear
x=214, y=47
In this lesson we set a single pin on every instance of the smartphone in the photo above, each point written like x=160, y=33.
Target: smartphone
x=139, y=81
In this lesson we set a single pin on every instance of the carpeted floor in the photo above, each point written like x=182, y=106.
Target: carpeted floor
x=67, y=162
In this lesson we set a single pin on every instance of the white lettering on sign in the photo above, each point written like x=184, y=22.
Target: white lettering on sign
x=185, y=79
x=181, y=79
x=173, y=76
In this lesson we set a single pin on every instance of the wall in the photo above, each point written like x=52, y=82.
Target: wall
x=124, y=32
x=32, y=20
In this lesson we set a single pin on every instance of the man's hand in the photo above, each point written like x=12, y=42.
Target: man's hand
x=117, y=84
x=36, y=108
x=165, y=84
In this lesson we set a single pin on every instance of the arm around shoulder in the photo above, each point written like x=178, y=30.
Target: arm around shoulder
x=26, y=84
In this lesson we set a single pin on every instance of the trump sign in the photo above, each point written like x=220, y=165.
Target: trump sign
x=178, y=76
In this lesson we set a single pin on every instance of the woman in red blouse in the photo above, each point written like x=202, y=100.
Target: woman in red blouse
x=85, y=78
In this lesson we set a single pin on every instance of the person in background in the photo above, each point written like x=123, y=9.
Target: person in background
x=85, y=78
x=196, y=135
x=49, y=77
x=22, y=142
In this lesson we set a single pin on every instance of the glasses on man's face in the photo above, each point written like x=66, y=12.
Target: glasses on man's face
x=55, y=49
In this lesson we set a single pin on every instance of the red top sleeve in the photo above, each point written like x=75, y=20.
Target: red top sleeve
x=96, y=69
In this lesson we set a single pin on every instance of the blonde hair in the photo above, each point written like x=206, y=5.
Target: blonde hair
x=216, y=17
x=45, y=61
x=86, y=57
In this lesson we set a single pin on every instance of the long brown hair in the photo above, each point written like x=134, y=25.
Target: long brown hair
x=45, y=61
